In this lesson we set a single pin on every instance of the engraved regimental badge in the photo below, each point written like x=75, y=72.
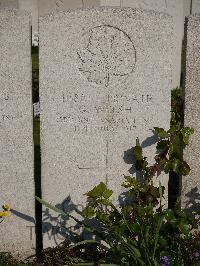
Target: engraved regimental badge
x=107, y=55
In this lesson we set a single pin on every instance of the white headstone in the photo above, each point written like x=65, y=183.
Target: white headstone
x=48, y=6
x=195, y=6
x=191, y=183
x=16, y=141
x=105, y=79
x=9, y=3
x=31, y=6
x=187, y=4
x=175, y=9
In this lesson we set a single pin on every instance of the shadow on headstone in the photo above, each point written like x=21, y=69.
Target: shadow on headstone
x=129, y=155
x=129, y=159
x=59, y=228
x=125, y=199
x=23, y=216
x=150, y=140
x=192, y=203
x=55, y=224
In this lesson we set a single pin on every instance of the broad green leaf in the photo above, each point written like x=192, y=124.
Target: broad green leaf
x=186, y=132
x=107, y=193
x=186, y=138
x=102, y=217
x=130, y=182
x=88, y=212
x=189, y=130
x=176, y=166
x=161, y=132
x=106, y=202
x=167, y=167
x=185, y=168
x=84, y=242
x=172, y=129
x=97, y=191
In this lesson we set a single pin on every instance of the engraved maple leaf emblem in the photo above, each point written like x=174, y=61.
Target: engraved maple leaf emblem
x=108, y=55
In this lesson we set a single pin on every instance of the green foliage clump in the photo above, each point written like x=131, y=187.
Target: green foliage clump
x=142, y=231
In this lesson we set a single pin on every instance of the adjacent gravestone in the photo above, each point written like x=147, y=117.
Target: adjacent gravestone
x=105, y=79
x=47, y=6
x=16, y=142
x=195, y=6
x=187, y=7
x=175, y=9
x=191, y=183
x=31, y=6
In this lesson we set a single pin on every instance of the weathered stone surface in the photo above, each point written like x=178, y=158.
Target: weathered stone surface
x=191, y=183
x=31, y=6
x=105, y=79
x=110, y=2
x=48, y=6
x=195, y=6
x=175, y=9
x=16, y=143
x=91, y=3
x=9, y=3
x=187, y=4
